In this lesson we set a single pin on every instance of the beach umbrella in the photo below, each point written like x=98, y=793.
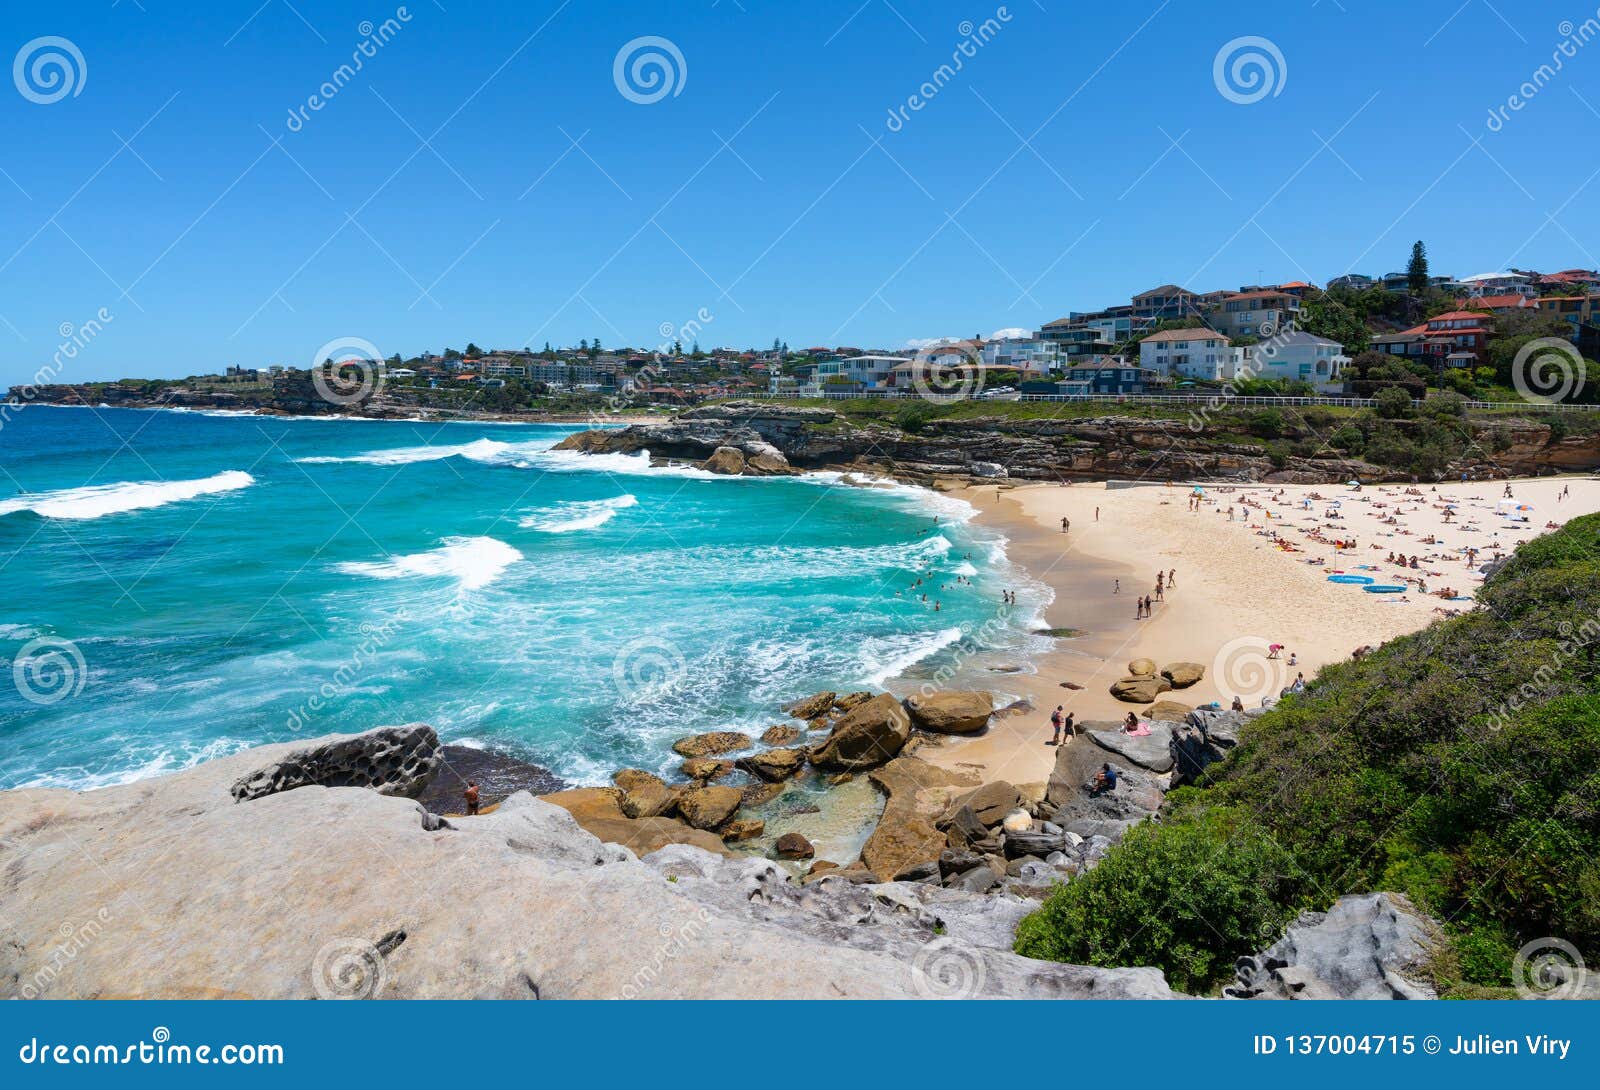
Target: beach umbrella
x=1353, y=483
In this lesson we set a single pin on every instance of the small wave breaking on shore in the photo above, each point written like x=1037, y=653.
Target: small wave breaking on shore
x=578, y=515
x=97, y=501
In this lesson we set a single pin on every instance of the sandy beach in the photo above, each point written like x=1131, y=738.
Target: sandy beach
x=1242, y=583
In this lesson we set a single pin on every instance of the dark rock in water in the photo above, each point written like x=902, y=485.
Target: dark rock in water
x=793, y=846
x=759, y=794
x=781, y=735
x=812, y=707
x=392, y=761
x=774, y=764
x=497, y=775
x=711, y=744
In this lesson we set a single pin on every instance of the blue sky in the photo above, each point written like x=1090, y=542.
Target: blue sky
x=482, y=177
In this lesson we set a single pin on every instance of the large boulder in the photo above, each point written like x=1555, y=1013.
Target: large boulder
x=648, y=800
x=906, y=834
x=1367, y=946
x=868, y=735
x=774, y=764
x=390, y=760
x=1142, y=667
x=781, y=735
x=1142, y=689
x=950, y=712
x=1169, y=711
x=793, y=846
x=709, y=807
x=321, y=885
x=725, y=460
x=1183, y=674
x=812, y=707
x=705, y=769
x=989, y=803
x=1138, y=794
x=1152, y=751
x=711, y=744
x=599, y=811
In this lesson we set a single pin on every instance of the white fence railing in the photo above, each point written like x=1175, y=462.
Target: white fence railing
x=1211, y=400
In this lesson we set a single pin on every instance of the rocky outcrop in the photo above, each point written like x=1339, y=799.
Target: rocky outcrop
x=773, y=765
x=1152, y=751
x=1140, y=690
x=950, y=712
x=711, y=744
x=868, y=735
x=812, y=707
x=725, y=460
x=1138, y=794
x=1367, y=946
x=709, y=807
x=906, y=835
x=1183, y=674
x=705, y=769
x=781, y=735
x=599, y=811
x=391, y=760
x=341, y=891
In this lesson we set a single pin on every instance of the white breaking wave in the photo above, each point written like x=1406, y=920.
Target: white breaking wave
x=578, y=515
x=473, y=562
x=93, y=501
x=479, y=450
x=890, y=657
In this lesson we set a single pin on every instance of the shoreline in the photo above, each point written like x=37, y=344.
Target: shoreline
x=1236, y=590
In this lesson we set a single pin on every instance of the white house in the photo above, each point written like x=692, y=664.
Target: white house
x=1187, y=353
x=870, y=371
x=1499, y=283
x=1295, y=357
x=1023, y=353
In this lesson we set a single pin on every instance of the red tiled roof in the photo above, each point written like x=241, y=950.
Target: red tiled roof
x=1457, y=315
x=1498, y=302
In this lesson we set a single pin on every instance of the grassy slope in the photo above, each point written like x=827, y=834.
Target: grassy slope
x=1459, y=765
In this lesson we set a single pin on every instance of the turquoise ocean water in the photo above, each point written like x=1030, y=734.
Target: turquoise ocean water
x=179, y=585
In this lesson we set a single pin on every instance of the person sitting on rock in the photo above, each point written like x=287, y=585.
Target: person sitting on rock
x=1104, y=780
x=471, y=794
x=1238, y=704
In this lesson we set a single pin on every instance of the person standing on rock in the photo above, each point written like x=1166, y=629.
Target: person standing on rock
x=471, y=794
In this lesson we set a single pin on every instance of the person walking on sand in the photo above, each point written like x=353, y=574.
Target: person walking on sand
x=1116, y=586
x=1056, y=718
x=1172, y=577
x=1066, y=524
x=1097, y=514
x=471, y=794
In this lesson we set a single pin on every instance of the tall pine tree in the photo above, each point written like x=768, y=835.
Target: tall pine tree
x=1417, y=269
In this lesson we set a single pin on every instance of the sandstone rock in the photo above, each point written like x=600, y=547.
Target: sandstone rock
x=1169, y=711
x=743, y=829
x=850, y=701
x=711, y=744
x=812, y=707
x=709, y=807
x=726, y=460
x=1017, y=821
x=955, y=712
x=599, y=811
x=1367, y=946
x=1152, y=751
x=774, y=764
x=793, y=846
x=822, y=865
x=391, y=760
x=989, y=803
x=629, y=778
x=759, y=794
x=704, y=768
x=906, y=835
x=1140, y=689
x=865, y=737
x=781, y=735
x=1142, y=667
x=840, y=778
x=648, y=800
x=1183, y=674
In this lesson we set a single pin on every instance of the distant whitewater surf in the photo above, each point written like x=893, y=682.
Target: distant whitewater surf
x=96, y=501
x=473, y=562
x=578, y=515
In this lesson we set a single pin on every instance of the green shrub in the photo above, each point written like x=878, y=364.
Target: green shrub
x=1189, y=898
x=1393, y=403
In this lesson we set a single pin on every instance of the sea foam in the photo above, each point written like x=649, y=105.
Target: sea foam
x=578, y=515
x=95, y=501
x=473, y=562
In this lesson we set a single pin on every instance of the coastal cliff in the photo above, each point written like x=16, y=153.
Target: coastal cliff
x=1079, y=448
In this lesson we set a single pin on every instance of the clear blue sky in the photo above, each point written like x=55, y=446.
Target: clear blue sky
x=210, y=245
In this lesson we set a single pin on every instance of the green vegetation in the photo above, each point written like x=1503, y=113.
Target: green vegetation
x=1459, y=766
